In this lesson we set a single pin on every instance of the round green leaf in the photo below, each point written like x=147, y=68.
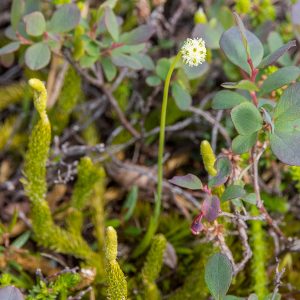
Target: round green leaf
x=162, y=68
x=35, y=23
x=188, y=181
x=287, y=110
x=9, y=48
x=285, y=139
x=195, y=71
x=278, y=79
x=37, y=56
x=218, y=275
x=224, y=169
x=232, y=44
x=285, y=146
x=182, y=98
x=153, y=80
x=242, y=143
x=246, y=118
x=227, y=99
x=65, y=18
x=233, y=192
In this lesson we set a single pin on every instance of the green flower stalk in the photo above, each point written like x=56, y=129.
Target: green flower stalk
x=116, y=281
x=193, y=53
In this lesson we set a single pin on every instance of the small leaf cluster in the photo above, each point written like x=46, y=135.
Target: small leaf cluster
x=251, y=111
x=97, y=37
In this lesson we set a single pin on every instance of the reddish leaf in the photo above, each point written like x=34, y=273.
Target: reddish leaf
x=197, y=225
x=211, y=208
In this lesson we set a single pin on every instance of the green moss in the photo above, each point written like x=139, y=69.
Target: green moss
x=46, y=232
x=258, y=262
x=11, y=94
x=194, y=286
x=152, y=267
x=67, y=100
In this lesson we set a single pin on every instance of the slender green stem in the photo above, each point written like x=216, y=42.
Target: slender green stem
x=153, y=224
x=162, y=137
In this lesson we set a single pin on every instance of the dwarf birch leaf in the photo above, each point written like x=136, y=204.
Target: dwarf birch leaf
x=224, y=168
x=65, y=18
x=231, y=43
x=218, y=275
x=17, y=10
x=153, y=80
x=138, y=35
x=123, y=60
x=111, y=23
x=182, y=98
x=35, y=23
x=285, y=139
x=278, y=79
x=232, y=192
x=242, y=85
x=37, y=56
x=9, y=48
x=285, y=146
x=109, y=68
x=250, y=198
x=145, y=60
x=162, y=68
x=188, y=181
x=227, y=99
x=274, y=42
x=277, y=54
x=242, y=143
x=246, y=118
x=242, y=30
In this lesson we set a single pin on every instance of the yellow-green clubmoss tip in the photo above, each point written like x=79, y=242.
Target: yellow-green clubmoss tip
x=111, y=244
x=36, y=84
x=208, y=157
x=40, y=94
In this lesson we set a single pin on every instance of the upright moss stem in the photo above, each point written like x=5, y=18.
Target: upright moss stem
x=153, y=224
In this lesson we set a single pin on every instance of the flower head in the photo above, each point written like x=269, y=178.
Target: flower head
x=193, y=52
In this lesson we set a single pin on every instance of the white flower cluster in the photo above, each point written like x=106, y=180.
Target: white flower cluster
x=193, y=52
